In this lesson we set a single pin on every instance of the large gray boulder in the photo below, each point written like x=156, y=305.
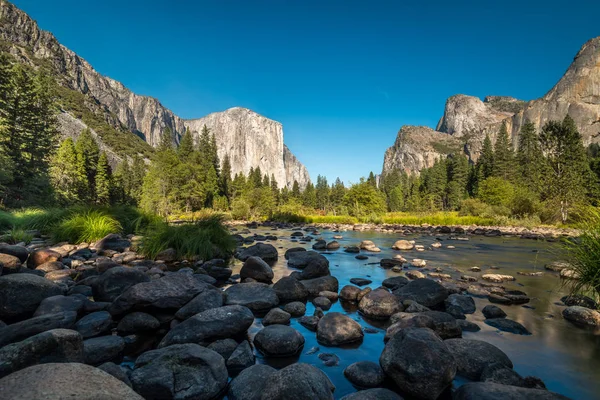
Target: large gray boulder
x=289, y=289
x=257, y=269
x=419, y=362
x=210, y=297
x=21, y=294
x=137, y=322
x=57, y=345
x=249, y=384
x=10, y=263
x=200, y=373
x=336, y=329
x=14, y=250
x=102, y=349
x=379, y=304
x=373, y=394
x=365, y=374
x=323, y=284
x=210, y=325
x=582, y=316
x=258, y=297
x=116, y=281
x=473, y=356
x=302, y=259
x=265, y=251
x=279, y=341
x=298, y=382
x=496, y=391
x=94, y=324
x=62, y=381
x=29, y=327
x=56, y=304
x=424, y=291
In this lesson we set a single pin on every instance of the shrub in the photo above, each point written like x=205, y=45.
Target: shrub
x=474, y=207
x=17, y=235
x=240, y=209
x=86, y=226
x=131, y=219
x=205, y=239
x=7, y=220
x=584, y=256
x=524, y=203
x=496, y=192
x=40, y=219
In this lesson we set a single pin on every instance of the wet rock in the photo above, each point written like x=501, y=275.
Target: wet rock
x=295, y=308
x=424, y=291
x=497, y=278
x=391, y=263
x=116, y=281
x=414, y=307
x=309, y=323
x=316, y=268
x=373, y=394
x=293, y=249
x=225, y=347
x=29, y=327
x=349, y=293
x=60, y=345
x=468, y=326
x=258, y=297
x=101, y=349
x=137, y=322
x=64, y=381
x=257, y=269
x=365, y=374
x=207, y=326
x=360, y=281
x=581, y=316
x=41, y=256
x=379, y=304
x=14, y=250
x=403, y=245
x=250, y=383
x=395, y=282
x=322, y=302
x=301, y=260
x=507, y=325
x=579, y=300
x=362, y=257
x=94, y=324
x=299, y=382
x=201, y=373
x=368, y=245
x=21, y=294
x=277, y=316
x=279, y=341
x=558, y=266
x=444, y=324
x=324, y=283
x=51, y=266
x=241, y=358
x=329, y=359
x=402, y=321
x=492, y=311
x=336, y=329
x=352, y=249
x=209, y=298
x=289, y=289
x=495, y=391
x=333, y=245
x=473, y=356
x=56, y=304
x=320, y=245
x=458, y=305
x=116, y=371
x=217, y=269
x=265, y=251
x=415, y=274
x=363, y=293
x=332, y=296
x=419, y=362
x=499, y=373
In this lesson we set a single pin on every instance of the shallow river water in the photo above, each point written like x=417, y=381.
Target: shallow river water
x=565, y=357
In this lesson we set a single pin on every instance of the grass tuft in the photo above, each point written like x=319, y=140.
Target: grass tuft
x=87, y=226
x=584, y=256
x=17, y=235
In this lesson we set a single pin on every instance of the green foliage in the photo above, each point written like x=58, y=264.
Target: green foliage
x=103, y=180
x=485, y=163
x=496, y=192
x=240, y=209
x=504, y=165
x=206, y=239
x=17, y=235
x=87, y=226
x=530, y=159
x=584, y=256
x=363, y=199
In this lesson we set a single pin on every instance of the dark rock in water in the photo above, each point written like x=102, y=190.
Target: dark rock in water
x=299, y=382
x=250, y=383
x=473, y=356
x=352, y=249
x=324, y=283
x=445, y=324
x=209, y=298
x=394, y=282
x=320, y=245
x=94, y=324
x=499, y=299
x=101, y=349
x=257, y=269
x=373, y=394
x=277, y=316
x=401, y=322
x=302, y=259
x=507, y=325
x=468, y=326
x=349, y=293
x=21, y=294
x=200, y=373
x=379, y=304
x=220, y=273
x=309, y=323
x=582, y=316
x=59, y=345
x=362, y=257
x=225, y=347
x=462, y=303
x=29, y=327
x=419, y=362
x=171, y=291
x=333, y=245
x=241, y=358
x=499, y=373
x=68, y=380
x=336, y=329
x=279, y=341
x=579, y=300
x=365, y=374
x=258, y=297
x=315, y=269
x=207, y=326
x=137, y=322
x=295, y=308
x=293, y=249
x=205, y=278
x=289, y=289
x=266, y=251
x=424, y=291
x=495, y=391
x=491, y=311
x=322, y=302
x=116, y=371
x=16, y=251
x=329, y=359
x=360, y=281
x=390, y=263
x=113, y=242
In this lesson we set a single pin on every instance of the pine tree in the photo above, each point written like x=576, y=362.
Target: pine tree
x=103, y=180
x=338, y=191
x=121, y=188
x=225, y=178
x=88, y=154
x=295, y=190
x=309, y=196
x=186, y=146
x=435, y=181
x=214, y=156
x=238, y=185
x=266, y=182
x=485, y=163
x=458, y=177
x=166, y=140
x=275, y=190
x=530, y=159
x=322, y=193
x=503, y=155
x=138, y=172
x=65, y=176
x=396, y=199
x=371, y=180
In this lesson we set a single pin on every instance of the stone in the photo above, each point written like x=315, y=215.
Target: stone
x=112, y=242
x=317, y=285
x=315, y=268
x=336, y=329
x=332, y=296
x=349, y=293
x=11, y=263
x=289, y=289
x=293, y=249
x=364, y=374
x=267, y=252
x=468, y=326
x=579, y=300
x=320, y=245
x=322, y=302
x=496, y=391
x=352, y=249
x=419, y=362
x=558, y=266
x=20, y=252
x=279, y=341
x=58, y=381
x=299, y=382
x=424, y=291
x=167, y=255
x=257, y=269
x=373, y=394
x=360, y=281
x=363, y=293
x=277, y=316
x=415, y=274
x=258, y=297
x=369, y=246
x=458, y=305
x=295, y=308
x=492, y=311
x=51, y=266
x=507, y=325
x=473, y=356
x=136, y=322
x=379, y=304
x=21, y=294
x=225, y=347
x=29, y=327
x=333, y=245
x=41, y=256
x=60, y=303
x=200, y=373
x=94, y=324
x=210, y=325
x=329, y=359
x=217, y=269
x=116, y=371
x=403, y=245
x=582, y=316
x=250, y=383
x=499, y=373
x=209, y=298
x=102, y=349
x=241, y=358
x=301, y=260
x=394, y=282
x=309, y=322
x=115, y=281
x=391, y=263
x=497, y=278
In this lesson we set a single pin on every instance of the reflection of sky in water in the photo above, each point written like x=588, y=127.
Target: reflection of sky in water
x=565, y=357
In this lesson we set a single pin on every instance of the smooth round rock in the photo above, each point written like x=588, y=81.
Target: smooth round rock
x=299, y=382
x=365, y=374
x=279, y=341
x=336, y=329
x=276, y=316
x=373, y=394
x=379, y=304
x=257, y=269
x=473, y=356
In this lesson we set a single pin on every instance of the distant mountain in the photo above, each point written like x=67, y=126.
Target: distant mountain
x=126, y=123
x=467, y=119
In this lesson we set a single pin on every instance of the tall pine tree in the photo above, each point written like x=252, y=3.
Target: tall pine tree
x=530, y=159
x=103, y=180
x=503, y=155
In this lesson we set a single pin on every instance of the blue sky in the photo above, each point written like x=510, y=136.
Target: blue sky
x=341, y=75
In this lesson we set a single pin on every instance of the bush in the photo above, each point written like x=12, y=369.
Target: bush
x=525, y=203
x=131, y=219
x=496, y=192
x=206, y=239
x=584, y=256
x=87, y=226
x=474, y=207
x=240, y=209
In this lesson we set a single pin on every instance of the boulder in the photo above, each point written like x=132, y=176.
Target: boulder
x=315, y=269
x=241, y=358
x=498, y=373
x=60, y=303
x=352, y=249
x=322, y=302
x=320, y=245
x=349, y=293
x=415, y=274
x=379, y=304
x=200, y=373
x=293, y=250
x=265, y=251
x=258, y=297
x=289, y=289
x=468, y=326
x=369, y=246
x=507, y=325
x=360, y=281
x=373, y=394
x=51, y=266
x=11, y=263
x=497, y=278
x=112, y=242
x=300, y=260
x=295, y=308
x=41, y=256
x=29, y=327
x=298, y=382
x=114, y=282
x=391, y=263
x=209, y=298
x=579, y=300
x=336, y=329
x=459, y=303
x=424, y=291
x=332, y=296
x=324, y=283
x=116, y=371
x=403, y=245
x=401, y=321
x=21, y=294
x=64, y=381
x=210, y=325
x=277, y=316
x=250, y=383
x=492, y=311
x=582, y=316
x=56, y=345
x=101, y=349
x=257, y=269
x=394, y=282
x=137, y=322
x=217, y=269
x=365, y=374
x=333, y=245
x=94, y=324
x=225, y=347
x=309, y=322
x=14, y=250
x=419, y=362
x=473, y=356
x=279, y=341
x=495, y=391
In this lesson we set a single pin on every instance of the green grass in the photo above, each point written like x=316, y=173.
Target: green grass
x=88, y=226
x=584, y=255
x=16, y=235
x=205, y=239
x=437, y=218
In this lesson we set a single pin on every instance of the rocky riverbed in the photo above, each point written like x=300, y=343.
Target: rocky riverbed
x=303, y=313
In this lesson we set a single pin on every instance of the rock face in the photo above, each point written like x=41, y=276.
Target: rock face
x=467, y=119
x=250, y=139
